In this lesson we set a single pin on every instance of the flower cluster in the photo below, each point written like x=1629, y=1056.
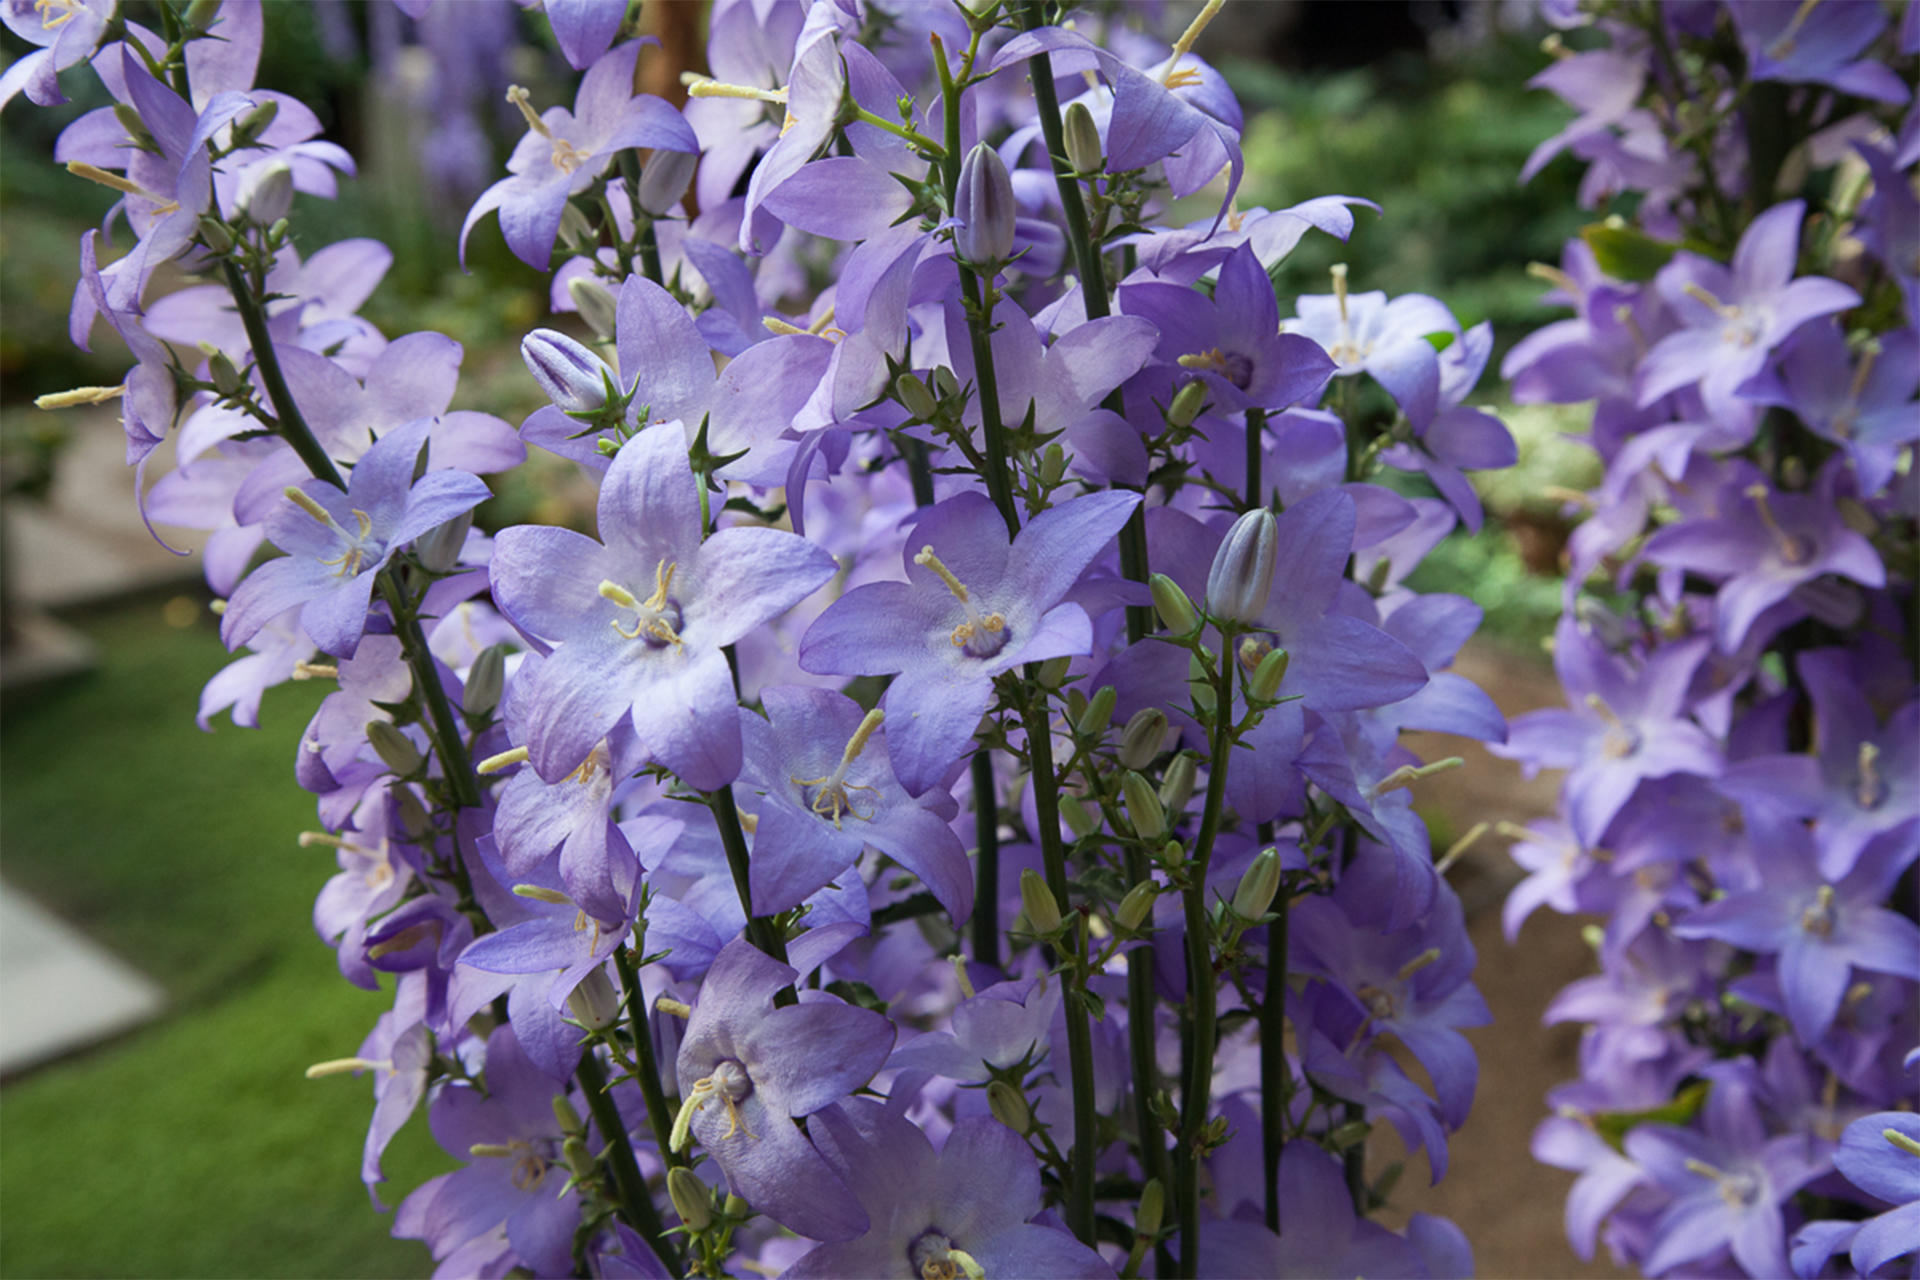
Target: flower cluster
x=1742, y=736
x=949, y=817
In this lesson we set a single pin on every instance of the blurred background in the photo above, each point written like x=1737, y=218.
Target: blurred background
x=162, y=989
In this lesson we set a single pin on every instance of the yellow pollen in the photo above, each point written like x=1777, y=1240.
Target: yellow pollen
x=677, y=1008
x=78, y=396
x=505, y=760
x=976, y=625
x=350, y=560
x=1214, y=359
x=653, y=623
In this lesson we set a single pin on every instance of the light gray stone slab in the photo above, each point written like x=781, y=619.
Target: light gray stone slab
x=58, y=991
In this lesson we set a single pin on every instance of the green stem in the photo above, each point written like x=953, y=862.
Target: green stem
x=1276, y=1077
x=659, y=1114
x=1198, y=1086
x=650, y=252
x=986, y=894
x=636, y=1203
x=293, y=428
x=987, y=386
x=1053, y=856
x=455, y=762
x=733, y=838
x=1256, y=430
x=1140, y=1039
x=1086, y=254
x=912, y=137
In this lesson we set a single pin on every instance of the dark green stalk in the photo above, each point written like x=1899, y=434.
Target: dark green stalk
x=293, y=428
x=1198, y=1085
x=1355, y=1162
x=979, y=299
x=1140, y=1039
x=455, y=762
x=733, y=838
x=1276, y=1077
x=919, y=472
x=650, y=252
x=986, y=867
x=1046, y=804
x=636, y=1202
x=1256, y=494
x=659, y=1114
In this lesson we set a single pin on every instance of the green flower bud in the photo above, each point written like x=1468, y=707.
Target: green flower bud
x=579, y=1159
x=248, y=128
x=595, y=302
x=1053, y=465
x=200, y=15
x=1082, y=139
x=1138, y=903
x=1186, y=404
x=1043, y=910
x=439, y=547
x=1153, y=1207
x=1350, y=1134
x=1053, y=672
x=1265, y=685
x=1141, y=740
x=414, y=818
x=914, y=396
x=691, y=1198
x=594, y=1003
x=574, y=226
x=485, y=680
x=945, y=384
x=1009, y=1106
x=394, y=748
x=225, y=378
x=137, y=131
x=215, y=233
x=1094, y=720
x=1176, y=785
x=1200, y=681
x=1171, y=603
x=1077, y=817
x=1143, y=806
x=1258, y=884
x=565, y=1116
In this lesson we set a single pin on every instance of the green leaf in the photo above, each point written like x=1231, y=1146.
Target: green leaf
x=1615, y=1125
x=1441, y=340
x=1626, y=253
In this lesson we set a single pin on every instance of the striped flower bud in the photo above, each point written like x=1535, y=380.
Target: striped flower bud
x=1176, y=785
x=394, y=748
x=485, y=680
x=1143, y=806
x=596, y=304
x=1009, y=1106
x=1258, y=884
x=691, y=1198
x=1138, y=903
x=1186, y=404
x=1077, y=816
x=1143, y=737
x=1242, y=575
x=983, y=208
x=1082, y=138
x=439, y=547
x=1099, y=713
x=594, y=1003
x=1043, y=911
x=573, y=377
x=664, y=182
x=272, y=194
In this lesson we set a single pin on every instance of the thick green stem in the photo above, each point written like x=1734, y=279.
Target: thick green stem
x=1198, y=1085
x=1053, y=856
x=647, y=1067
x=650, y=252
x=919, y=471
x=455, y=761
x=1140, y=1039
x=1276, y=1076
x=733, y=838
x=635, y=1201
x=979, y=297
x=1256, y=454
x=293, y=428
x=986, y=867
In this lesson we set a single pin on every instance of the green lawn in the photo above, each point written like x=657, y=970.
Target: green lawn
x=193, y=1147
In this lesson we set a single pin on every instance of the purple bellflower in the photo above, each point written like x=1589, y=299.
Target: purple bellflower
x=971, y=608
x=963, y=1211
x=337, y=542
x=639, y=621
x=65, y=31
x=747, y=1069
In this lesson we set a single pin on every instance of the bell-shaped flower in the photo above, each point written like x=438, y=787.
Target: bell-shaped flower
x=337, y=542
x=1865, y=405
x=564, y=152
x=823, y=791
x=971, y=608
x=66, y=33
x=639, y=622
x=966, y=1210
x=748, y=1069
x=1365, y=333
x=1817, y=44
x=1322, y=1234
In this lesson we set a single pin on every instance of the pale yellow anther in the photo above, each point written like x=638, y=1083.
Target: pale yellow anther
x=1784, y=44
x=1901, y=1140
x=540, y=893
x=1557, y=278
x=699, y=86
x=1793, y=549
x=505, y=760
x=342, y=1066
x=304, y=670
x=126, y=186
x=678, y=1009
x=833, y=795
x=1175, y=79
x=519, y=97
x=1339, y=273
x=611, y=590
x=1213, y=359
x=1843, y=420
x=977, y=625
x=1702, y=1168
x=780, y=328
x=927, y=560
x=490, y=1150
x=821, y=325
x=1418, y=963
x=1460, y=846
x=1818, y=918
x=1871, y=789
x=1408, y=774
x=656, y=621
x=960, y=976
x=78, y=396
x=48, y=9
x=305, y=501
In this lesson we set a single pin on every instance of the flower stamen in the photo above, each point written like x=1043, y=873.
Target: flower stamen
x=833, y=796
x=980, y=635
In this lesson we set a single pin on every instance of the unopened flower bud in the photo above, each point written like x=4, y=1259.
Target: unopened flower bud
x=1009, y=1106
x=1350, y=1134
x=1099, y=713
x=579, y=1160
x=394, y=748
x=485, y=680
x=1078, y=818
x=1138, y=903
x=1153, y=1206
x=664, y=182
x=1043, y=911
x=439, y=547
x=1200, y=682
x=1143, y=806
x=277, y=233
x=573, y=377
x=596, y=304
x=565, y=1116
x=1053, y=465
x=1186, y=404
x=1265, y=685
x=594, y=1003
x=915, y=398
x=945, y=383
x=1176, y=785
x=1216, y=1131
x=1258, y=884
x=200, y=15
x=272, y=195
x=691, y=1198
x=1082, y=138
x=248, y=128
x=575, y=228
x=1053, y=672
x=214, y=232
x=1171, y=603
x=225, y=378
x=137, y=131
x=414, y=818
x=983, y=208
x=1143, y=737
x=1242, y=575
